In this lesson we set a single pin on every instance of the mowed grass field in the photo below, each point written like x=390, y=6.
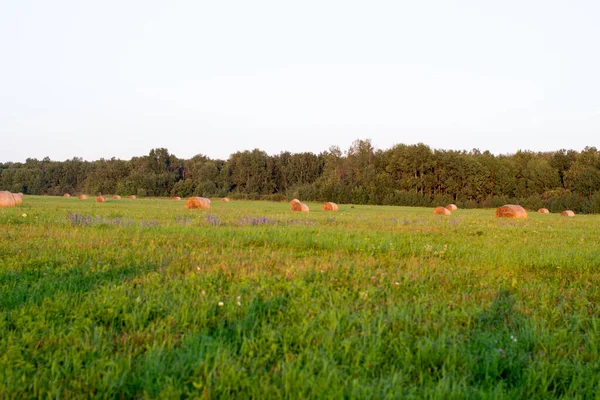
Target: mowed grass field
x=145, y=299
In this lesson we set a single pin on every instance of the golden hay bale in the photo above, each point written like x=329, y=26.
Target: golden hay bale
x=176, y=198
x=66, y=195
x=543, y=211
x=100, y=199
x=294, y=201
x=511, y=211
x=298, y=206
x=567, y=213
x=82, y=197
x=441, y=211
x=225, y=200
x=132, y=197
x=20, y=194
x=452, y=207
x=329, y=206
x=116, y=197
x=18, y=199
x=7, y=199
x=197, y=202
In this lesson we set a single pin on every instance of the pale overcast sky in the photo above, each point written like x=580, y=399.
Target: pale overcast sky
x=116, y=78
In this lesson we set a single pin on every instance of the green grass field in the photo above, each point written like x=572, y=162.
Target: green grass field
x=143, y=298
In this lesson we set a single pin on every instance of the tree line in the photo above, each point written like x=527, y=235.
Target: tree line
x=407, y=175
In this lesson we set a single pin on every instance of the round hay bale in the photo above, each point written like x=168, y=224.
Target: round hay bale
x=82, y=197
x=100, y=199
x=329, y=206
x=18, y=199
x=441, y=211
x=197, y=202
x=20, y=194
x=294, y=201
x=116, y=197
x=225, y=200
x=452, y=207
x=567, y=213
x=176, y=198
x=132, y=197
x=7, y=199
x=543, y=211
x=66, y=195
x=511, y=211
x=298, y=206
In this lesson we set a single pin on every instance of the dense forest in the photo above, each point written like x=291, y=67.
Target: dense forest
x=410, y=175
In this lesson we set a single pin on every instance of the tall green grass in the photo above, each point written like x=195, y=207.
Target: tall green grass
x=143, y=298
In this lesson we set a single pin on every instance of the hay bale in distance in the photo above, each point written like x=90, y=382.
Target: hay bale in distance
x=100, y=199
x=197, y=202
x=225, y=200
x=330, y=206
x=7, y=199
x=441, y=211
x=543, y=211
x=18, y=199
x=116, y=197
x=567, y=213
x=66, y=195
x=299, y=206
x=511, y=211
x=132, y=197
x=82, y=197
x=294, y=201
x=176, y=198
x=452, y=207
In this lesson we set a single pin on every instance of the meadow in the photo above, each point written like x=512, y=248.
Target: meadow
x=146, y=299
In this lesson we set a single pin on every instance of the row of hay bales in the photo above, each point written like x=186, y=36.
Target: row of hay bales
x=506, y=211
x=297, y=205
x=516, y=211
x=8, y=199
x=99, y=199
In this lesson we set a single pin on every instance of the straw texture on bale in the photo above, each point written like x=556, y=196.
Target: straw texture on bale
x=511, y=211
x=567, y=213
x=543, y=211
x=225, y=200
x=329, y=206
x=18, y=199
x=298, y=206
x=441, y=211
x=7, y=199
x=452, y=207
x=66, y=195
x=82, y=197
x=100, y=199
x=197, y=202
x=132, y=197
x=176, y=198
x=116, y=197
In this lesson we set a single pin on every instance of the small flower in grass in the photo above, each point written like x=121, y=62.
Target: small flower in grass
x=24, y=215
x=501, y=353
x=397, y=283
x=203, y=293
x=221, y=304
x=514, y=339
x=239, y=304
